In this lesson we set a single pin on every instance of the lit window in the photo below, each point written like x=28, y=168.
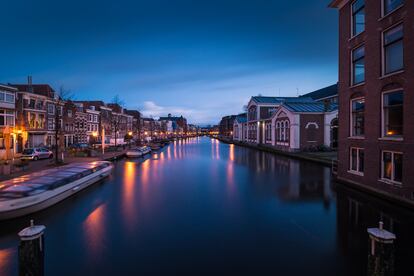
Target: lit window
x=358, y=17
x=357, y=160
x=358, y=65
x=393, y=113
x=357, y=119
x=392, y=163
x=391, y=5
x=393, y=50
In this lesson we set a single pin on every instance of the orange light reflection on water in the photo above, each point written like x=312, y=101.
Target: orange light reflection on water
x=94, y=226
x=128, y=192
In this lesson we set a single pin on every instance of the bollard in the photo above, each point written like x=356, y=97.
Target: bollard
x=381, y=251
x=31, y=250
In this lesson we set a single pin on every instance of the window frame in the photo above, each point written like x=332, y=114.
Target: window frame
x=383, y=54
x=353, y=26
x=383, y=132
x=351, y=120
x=383, y=11
x=353, y=62
x=358, y=161
x=392, y=180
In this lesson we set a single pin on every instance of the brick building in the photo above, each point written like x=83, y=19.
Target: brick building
x=7, y=121
x=376, y=79
x=226, y=126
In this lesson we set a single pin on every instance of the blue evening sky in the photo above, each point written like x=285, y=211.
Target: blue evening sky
x=200, y=58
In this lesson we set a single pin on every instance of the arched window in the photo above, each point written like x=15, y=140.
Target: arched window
x=286, y=132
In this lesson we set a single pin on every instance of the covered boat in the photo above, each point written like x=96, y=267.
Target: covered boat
x=36, y=191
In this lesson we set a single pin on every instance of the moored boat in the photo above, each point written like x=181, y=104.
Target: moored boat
x=37, y=191
x=134, y=153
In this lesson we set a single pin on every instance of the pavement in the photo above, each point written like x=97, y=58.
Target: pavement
x=43, y=164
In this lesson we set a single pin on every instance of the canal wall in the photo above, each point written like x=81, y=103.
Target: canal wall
x=326, y=161
x=404, y=202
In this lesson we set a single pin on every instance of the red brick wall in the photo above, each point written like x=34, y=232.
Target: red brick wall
x=372, y=91
x=305, y=133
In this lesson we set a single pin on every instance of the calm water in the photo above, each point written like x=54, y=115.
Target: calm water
x=203, y=207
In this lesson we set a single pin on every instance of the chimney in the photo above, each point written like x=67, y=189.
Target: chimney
x=29, y=84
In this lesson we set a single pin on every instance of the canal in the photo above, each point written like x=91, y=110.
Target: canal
x=204, y=207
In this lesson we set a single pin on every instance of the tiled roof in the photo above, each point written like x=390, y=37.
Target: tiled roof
x=279, y=100
x=241, y=118
x=310, y=107
x=326, y=92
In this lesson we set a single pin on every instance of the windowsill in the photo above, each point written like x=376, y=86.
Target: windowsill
x=397, y=139
x=357, y=137
x=390, y=182
x=391, y=13
x=392, y=74
x=355, y=173
x=357, y=85
x=355, y=36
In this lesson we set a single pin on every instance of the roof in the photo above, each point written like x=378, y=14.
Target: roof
x=337, y=3
x=7, y=87
x=323, y=93
x=40, y=89
x=171, y=118
x=279, y=100
x=310, y=107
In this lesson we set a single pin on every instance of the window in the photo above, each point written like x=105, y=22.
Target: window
x=393, y=113
x=393, y=50
x=6, y=97
x=70, y=114
x=357, y=160
x=51, y=124
x=358, y=17
x=95, y=118
x=51, y=109
x=392, y=166
x=6, y=118
x=391, y=5
x=357, y=119
x=358, y=65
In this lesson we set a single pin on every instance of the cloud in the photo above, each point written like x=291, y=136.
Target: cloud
x=200, y=116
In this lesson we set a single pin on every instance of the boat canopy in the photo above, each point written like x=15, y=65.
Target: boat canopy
x=39, y=182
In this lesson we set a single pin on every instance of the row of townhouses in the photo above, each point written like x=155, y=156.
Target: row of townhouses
x=288, y=123
x=34, y=115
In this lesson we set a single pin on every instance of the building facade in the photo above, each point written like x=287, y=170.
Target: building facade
x=8, y=133
x=303, y=126
x=35, y=115
x=376, y=79
x=240, y=128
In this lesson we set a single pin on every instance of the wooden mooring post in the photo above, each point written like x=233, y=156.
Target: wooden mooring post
x=31, y=250
x=381, y=251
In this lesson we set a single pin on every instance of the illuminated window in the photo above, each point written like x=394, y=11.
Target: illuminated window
x=392, y=164
x=393, y=113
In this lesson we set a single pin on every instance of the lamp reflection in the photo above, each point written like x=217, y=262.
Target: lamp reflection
x=95, y=229
x=128, y=193
x=6, y=256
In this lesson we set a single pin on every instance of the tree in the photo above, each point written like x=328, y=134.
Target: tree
x=116, y=118
x=61, y=97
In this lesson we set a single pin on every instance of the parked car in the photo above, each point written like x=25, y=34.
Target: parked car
x=36, y=154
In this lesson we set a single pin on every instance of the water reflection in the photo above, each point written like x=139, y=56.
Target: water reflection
x=201, y=205
x=94, y=229
x=128, y=193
